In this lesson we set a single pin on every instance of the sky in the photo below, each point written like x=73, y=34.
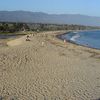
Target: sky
x=84, y=7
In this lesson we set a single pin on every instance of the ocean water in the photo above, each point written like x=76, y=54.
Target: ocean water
x=85, y=38
x=7, y=36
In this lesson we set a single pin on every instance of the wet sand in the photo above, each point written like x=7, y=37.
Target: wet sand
x=47, y=68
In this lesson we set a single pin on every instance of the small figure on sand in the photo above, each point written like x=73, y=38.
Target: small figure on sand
x=27, y=38
x=43, y=43
x=64, y=41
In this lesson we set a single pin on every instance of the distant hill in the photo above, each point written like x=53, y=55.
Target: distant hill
x=39, y=17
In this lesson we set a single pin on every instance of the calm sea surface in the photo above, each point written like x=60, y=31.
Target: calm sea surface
x=7, y=36
x=85, y=38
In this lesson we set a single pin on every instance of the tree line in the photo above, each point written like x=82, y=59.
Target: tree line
x=7, y=27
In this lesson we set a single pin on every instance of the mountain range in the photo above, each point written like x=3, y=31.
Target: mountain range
x=40, y=17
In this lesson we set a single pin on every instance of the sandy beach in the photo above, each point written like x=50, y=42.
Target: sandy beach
x=46, y=68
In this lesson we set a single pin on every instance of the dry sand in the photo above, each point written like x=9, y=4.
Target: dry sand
x=46, y=68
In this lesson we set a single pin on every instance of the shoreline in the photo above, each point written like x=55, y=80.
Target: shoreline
x=59, y=36
x=56, y=34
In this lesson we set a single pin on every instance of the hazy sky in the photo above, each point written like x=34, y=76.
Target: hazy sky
x=87, y=7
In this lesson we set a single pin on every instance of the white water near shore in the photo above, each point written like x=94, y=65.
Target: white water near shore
x=75, y=37
x=89, y=39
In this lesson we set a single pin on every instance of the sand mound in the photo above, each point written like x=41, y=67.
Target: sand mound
x=16, y=42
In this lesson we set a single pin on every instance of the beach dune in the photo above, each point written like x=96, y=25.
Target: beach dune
x=54, y=71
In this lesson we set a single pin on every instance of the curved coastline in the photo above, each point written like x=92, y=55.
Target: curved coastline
x=73, y=42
